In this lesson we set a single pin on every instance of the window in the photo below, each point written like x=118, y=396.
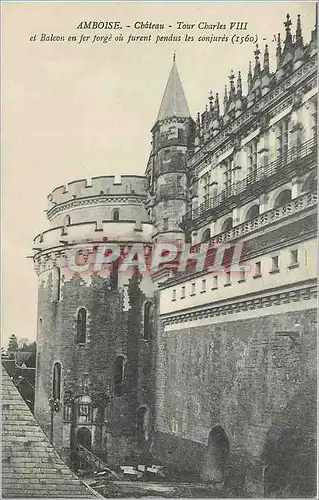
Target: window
x=227, y=278
x=183, y=293
x=252, y=159
x=116, y=215
x=215, y=282
x=142, y=426
x=274, y=264
x=203, y=286
x=227, y=225
x=252, y=213
x=67, y=220
x=228, y=172
x=206, y=184
x=257, y=269
x=283, y=198
x=56, y=285
x=206, y=235
x=193, y=288
x=85, y=383
x=242, y=274
x=114, y=275
x=67, y=412
x=165, y=223
x=148, y=320
x=174, y=295
x=282, y=138
x=118, y=375
x=81, y=326
x=84, y=411
x=294, y=258
x=166, y=154
x=56, y=384
x=314, y=117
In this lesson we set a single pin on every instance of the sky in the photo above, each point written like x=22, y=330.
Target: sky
x=73, y=111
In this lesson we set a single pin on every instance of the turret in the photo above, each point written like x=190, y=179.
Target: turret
x=172, y=136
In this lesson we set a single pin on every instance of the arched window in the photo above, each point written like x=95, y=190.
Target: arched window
x=206, y=235
x=56, y=384
x=56, y=285
x=81, y=326
x=143, y=424
x=252, y=212
x=228, y=224
x=283, y=198
x=114, y=274
x=116, y=214
x=67, y=220
x=310, y=183
x=148, y=320
x=118, y=375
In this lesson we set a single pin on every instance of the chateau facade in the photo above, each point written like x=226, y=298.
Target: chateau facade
x=210, y=371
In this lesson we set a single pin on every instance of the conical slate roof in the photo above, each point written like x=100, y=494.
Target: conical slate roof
x=174, y=101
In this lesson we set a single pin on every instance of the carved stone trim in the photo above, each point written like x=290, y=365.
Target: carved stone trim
x=237, y=306
x=275, y=95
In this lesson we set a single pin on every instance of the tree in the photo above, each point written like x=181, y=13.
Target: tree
x=13, y=343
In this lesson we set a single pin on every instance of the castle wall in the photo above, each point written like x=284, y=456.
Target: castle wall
x=114, y=319
x=96, y=210
x=254, y=381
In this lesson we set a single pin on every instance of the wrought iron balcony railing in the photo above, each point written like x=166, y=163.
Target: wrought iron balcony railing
x=281, y=166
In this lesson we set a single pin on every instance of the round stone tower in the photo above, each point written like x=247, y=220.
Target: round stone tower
x=93, y=339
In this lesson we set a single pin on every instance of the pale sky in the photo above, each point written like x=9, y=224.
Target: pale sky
x=71, y=111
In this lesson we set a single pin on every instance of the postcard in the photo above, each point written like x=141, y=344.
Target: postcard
x=159, y=249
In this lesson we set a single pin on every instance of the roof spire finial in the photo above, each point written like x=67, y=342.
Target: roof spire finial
x=174, y=102
x=250, y=77
x=266, y=59
x=231, y=85
x=278, y=49
x=210, y=99
x=174, y=56
x=217, y=110
x=225, y=99
x=257, y=62
x=299, y=40
x=287, y=25
x=239, y=85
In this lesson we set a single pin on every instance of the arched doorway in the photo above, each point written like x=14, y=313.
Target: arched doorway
x=216, y=456
x=84, y=438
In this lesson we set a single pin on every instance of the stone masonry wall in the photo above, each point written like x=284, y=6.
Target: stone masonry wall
x=255, y=382
x=111, y=332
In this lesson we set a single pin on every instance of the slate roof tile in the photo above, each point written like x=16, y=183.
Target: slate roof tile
x=31, y=468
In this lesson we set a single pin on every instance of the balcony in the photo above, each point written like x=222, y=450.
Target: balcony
x=293, y=162
x=295, y=206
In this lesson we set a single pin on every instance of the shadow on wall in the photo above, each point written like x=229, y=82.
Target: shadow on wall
x=290, y=451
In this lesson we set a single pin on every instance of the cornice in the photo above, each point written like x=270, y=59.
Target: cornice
x=96, y=200
x=275, y=296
